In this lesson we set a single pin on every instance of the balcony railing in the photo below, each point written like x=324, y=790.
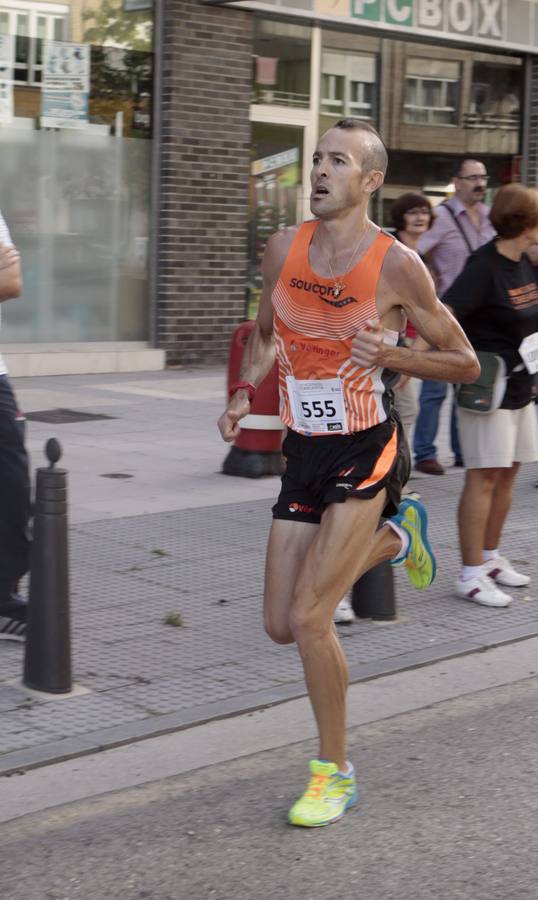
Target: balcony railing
x=491, y=121
x=280, y=98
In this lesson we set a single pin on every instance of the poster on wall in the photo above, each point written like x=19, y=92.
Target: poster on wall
x=6, y=78
x=66, y=85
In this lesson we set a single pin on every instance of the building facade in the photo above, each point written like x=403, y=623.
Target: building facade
x=142, y=185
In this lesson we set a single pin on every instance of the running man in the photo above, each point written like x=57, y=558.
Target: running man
x=336, y=292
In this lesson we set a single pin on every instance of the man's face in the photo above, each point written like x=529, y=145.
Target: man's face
x=471, y=182
x=338, y=178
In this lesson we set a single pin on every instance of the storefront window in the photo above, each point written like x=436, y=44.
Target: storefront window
x=281, y=64
x=431, y=92
x=75, y=141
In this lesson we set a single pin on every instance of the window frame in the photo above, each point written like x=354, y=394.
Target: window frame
x=430, y=110
x=51, y=13
x=348, y=106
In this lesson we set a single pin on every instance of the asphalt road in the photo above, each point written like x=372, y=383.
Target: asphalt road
x=448, y=812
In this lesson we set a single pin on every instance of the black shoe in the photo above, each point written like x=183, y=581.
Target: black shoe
x=13, y=615
x=458, y=463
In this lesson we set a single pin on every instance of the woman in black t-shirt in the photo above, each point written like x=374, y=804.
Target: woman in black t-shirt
x=495, y=299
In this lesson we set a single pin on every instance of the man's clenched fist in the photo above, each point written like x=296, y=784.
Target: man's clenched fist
x=238, y=408
x=367, y=347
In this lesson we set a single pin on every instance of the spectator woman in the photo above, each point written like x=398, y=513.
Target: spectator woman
x=495, y=299
x=411, y=216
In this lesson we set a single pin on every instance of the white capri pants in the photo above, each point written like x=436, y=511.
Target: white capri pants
x=497, y=440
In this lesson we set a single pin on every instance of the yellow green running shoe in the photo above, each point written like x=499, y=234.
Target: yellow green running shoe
x=328, y=795
x=418, y=558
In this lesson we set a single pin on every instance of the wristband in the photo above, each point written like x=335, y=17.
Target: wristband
x=245, y=386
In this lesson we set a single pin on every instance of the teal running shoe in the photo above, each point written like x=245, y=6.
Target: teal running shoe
x=418, y=560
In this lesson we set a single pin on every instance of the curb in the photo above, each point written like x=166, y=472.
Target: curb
x=20, y=761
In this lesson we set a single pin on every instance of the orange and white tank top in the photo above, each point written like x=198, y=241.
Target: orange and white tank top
x=321, y=390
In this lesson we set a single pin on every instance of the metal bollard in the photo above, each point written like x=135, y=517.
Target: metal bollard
x=47, y=662
x=372, y=596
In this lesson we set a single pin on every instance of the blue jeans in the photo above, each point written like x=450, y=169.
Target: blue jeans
x=432, y=395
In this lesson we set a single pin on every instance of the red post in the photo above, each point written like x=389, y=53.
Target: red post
x=256, y=451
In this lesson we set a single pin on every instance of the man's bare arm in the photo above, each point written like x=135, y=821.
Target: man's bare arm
x=260, y=352
x=406, y=283
x=10, y=273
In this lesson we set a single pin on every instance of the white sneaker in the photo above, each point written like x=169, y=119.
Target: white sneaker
x=343, y=614
x=482, y=590
x=501, y=571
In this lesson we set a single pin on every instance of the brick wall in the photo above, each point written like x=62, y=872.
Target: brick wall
x=204, y=166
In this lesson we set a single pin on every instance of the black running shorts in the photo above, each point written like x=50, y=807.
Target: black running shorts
x=331, y=469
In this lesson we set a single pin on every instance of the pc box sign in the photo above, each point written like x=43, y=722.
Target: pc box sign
x=479, y=18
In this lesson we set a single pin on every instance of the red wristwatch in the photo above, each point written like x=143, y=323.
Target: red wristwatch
x=245, y=386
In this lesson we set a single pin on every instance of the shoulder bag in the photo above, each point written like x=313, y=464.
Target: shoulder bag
x=484, y=395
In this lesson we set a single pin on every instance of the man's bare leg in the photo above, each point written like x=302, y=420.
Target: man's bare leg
x=326, y=563
x=286, y=550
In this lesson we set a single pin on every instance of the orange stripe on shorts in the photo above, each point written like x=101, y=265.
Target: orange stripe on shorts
x=384, y=463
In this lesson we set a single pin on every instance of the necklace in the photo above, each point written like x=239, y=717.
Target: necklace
x=339, y=285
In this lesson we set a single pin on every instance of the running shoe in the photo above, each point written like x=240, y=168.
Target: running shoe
x=418, y=559
x=328, y=795
x=502, y=572
x=13, y=615
x=343, y=614
x=482, y=590
x=12, y=629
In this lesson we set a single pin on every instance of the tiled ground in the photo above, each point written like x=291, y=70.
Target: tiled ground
x=206, y=565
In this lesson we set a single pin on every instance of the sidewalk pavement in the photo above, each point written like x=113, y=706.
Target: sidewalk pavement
x=156, y=530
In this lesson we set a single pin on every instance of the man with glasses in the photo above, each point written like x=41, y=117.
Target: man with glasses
x=460, y=227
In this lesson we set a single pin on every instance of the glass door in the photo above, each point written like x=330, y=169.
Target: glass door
x=275, y=193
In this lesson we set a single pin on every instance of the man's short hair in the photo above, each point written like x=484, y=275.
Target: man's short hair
x=515, y=208
x=461, y=163
x=376, y=156
x=403, y=204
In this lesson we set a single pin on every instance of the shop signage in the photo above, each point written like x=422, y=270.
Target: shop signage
x=136, y=5
x=510, y=24
x=66, y=85
x=276, y=161
x=481, y=18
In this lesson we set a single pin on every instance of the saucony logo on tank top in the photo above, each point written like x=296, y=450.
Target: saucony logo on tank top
x=321, y=390
x=322, y=290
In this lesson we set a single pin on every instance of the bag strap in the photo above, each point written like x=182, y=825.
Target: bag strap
x=458, y=224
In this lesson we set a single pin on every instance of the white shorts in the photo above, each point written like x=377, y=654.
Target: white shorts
x=407, y=405
x=498, y=439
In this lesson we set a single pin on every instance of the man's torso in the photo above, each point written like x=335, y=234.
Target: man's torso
x=449, y=256
x=321, y=390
